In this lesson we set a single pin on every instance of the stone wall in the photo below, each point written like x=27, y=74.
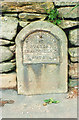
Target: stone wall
x=15, y=16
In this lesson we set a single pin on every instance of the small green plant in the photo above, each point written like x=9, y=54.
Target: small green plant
x=50, y=101
x=53, y=16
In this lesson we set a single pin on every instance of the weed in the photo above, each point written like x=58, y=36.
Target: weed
x=53, y=16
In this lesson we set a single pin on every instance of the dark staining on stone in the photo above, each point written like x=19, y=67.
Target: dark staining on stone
x=37, y=69
x=45, y=65
x=26, y=41
x=26, y=79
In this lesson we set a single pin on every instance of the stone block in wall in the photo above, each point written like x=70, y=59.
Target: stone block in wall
x=5, y=54
x=8, y=27
x=68, y=23
x=6, y=67
x=67, y=13
x=11, y=15
x=38, y=7
x=74, y=54
x=12, y=48
x=8, y=80
x=31, y=16
x=5, y=42
x=57, y=3
x=13, y=60
x=73, y=82
x=23, y=24
x=73, y=36
x=74, y=70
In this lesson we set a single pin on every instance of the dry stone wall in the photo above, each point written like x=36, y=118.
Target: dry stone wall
x=16, y=15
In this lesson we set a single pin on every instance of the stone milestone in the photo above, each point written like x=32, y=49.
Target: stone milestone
x=41, y=59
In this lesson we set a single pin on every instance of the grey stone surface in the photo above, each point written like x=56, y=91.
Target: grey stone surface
x=64, y=3
x=23, y=24
x=67, y=13
x=74, y=54
x=32, y=106
x=8, y=80
x=6, y=67
x=10, y=15
x=74, y=59
x=8, y=27
x=44, y=77
x=68, y=23
x=5, y=54
x=73, y=36
x=5, y=42
x=30, y=16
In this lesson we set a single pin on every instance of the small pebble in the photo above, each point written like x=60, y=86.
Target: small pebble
x=22, y=112
x=44, y=104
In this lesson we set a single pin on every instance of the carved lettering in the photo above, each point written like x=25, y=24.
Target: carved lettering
x=43, y=49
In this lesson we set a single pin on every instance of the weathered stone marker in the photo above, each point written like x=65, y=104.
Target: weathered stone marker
x=41, y=55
